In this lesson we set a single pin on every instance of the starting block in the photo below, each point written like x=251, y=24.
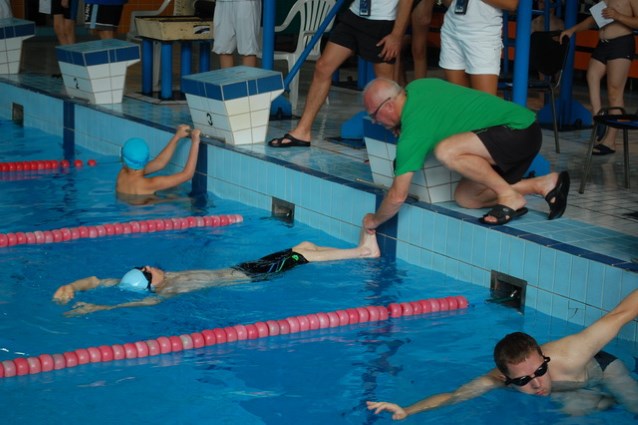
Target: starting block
x=96, y=70
x=233, y=104
x=12, y=33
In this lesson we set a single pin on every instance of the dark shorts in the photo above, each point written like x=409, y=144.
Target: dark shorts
x=623, y=47
x=68, y=12
x=274, y=263
x=512, y=150
x=102, y=16
x=361, y=35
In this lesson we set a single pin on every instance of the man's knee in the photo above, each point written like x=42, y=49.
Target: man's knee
x=444, y=153
x=325, y=67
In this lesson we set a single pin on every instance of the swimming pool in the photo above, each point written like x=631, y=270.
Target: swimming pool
x=322, y=376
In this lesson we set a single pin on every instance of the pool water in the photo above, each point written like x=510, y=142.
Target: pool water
x=314, y=377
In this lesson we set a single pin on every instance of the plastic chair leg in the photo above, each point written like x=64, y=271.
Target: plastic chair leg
x=556, y=140
x=587, y=165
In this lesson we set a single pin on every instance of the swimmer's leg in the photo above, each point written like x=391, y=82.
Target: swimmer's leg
x=618, y=381
x=367, y=248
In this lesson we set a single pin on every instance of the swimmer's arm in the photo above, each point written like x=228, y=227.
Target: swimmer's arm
x=472, y=389
x=82, y=308
x=581, y=347
x=583, y=25
x=160, y=161
x=65, y=293
x=153, y=184
x=509, y=5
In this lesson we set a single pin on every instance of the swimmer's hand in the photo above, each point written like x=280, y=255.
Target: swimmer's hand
x=381, y=406
x=195, y=135
x=64, y=294
x=82, y=308
x=183, y=130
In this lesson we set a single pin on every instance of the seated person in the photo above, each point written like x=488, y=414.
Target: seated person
x=132, y=178
x=573, y=370
x=163, y=284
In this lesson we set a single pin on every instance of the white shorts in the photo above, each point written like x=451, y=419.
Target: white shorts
x=469, y=54
x=236, y=26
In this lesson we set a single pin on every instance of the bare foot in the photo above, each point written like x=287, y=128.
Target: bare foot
x=368, y=245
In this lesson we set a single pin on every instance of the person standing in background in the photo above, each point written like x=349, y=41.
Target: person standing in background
x=471, y=42
x=103, y=16
x=236, y=26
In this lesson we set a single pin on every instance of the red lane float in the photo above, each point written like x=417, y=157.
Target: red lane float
x=42, y=164
x=163, y=344
x=100, y=230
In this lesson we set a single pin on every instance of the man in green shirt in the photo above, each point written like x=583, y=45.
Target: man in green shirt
x=490, y=142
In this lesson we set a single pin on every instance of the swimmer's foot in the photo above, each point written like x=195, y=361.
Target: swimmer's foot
x=368, y=245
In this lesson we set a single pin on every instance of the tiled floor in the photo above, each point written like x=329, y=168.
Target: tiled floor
x=604, y=219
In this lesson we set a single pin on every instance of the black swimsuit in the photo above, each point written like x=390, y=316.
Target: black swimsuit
x=274, y=263
x=604, y=359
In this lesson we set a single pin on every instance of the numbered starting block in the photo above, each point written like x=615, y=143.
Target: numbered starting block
x=233, y=104
x=434, y=183
x=12, y=33
x=96, y=70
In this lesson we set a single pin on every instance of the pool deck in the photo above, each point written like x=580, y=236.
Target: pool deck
x=600, y=225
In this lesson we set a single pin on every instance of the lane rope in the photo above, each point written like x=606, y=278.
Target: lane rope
x=170, y=344
x=109, y=229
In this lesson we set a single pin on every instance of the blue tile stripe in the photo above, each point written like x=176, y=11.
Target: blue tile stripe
x=12, y=28
x=97, y=52
x=232, y=83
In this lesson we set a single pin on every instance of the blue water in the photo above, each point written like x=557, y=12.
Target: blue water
x=315, y=377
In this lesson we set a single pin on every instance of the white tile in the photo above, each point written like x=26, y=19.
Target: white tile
x=237, y=106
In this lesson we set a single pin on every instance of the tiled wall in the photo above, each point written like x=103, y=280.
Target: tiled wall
x=561, y=282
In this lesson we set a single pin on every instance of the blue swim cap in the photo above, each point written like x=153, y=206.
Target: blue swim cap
x=135, y=153
x=134, y=280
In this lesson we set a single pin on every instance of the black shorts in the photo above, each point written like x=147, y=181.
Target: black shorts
x=57, y=9
x=512, y=150
x=623, y=47
x=274, y=263
x=361, y=35
x=102, y=16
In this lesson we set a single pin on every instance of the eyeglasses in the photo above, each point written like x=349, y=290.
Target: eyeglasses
x=149, y=277
x=524, y=380
x=373, y=116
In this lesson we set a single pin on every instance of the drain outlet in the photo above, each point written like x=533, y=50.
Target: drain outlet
x=507, y=290
x=283, y=210
x=17, y=114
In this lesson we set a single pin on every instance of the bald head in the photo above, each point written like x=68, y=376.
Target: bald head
x=378, y=90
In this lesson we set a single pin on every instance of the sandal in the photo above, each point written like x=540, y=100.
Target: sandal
x=503, y=215
x=293, y=142
x=601, y=150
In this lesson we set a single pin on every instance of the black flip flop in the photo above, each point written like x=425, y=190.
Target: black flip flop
x=601, y=150
x=559, y=195
x=294, y=142
x=503, y=214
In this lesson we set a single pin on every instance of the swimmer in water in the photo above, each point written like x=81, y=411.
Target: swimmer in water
x=133, y=180
x=162, y=284
x=573, y=370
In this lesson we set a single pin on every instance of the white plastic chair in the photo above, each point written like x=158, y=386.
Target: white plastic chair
x=312, y=14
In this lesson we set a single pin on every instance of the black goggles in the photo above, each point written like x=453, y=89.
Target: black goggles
x=149, y=277
x=524, y=380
